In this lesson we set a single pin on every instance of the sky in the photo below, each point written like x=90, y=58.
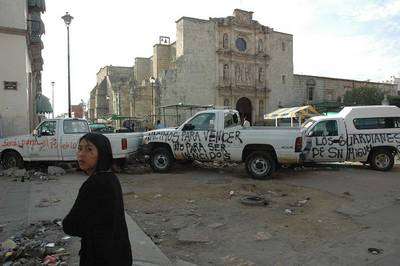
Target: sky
x=352, y=39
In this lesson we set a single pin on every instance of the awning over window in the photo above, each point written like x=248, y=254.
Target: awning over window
x=292, y=112
x=43, y=105
x=296, y=115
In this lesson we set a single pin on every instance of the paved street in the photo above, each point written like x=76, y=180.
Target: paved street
x=191, y=215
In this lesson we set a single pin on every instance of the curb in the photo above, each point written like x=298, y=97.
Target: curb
x=144, y=251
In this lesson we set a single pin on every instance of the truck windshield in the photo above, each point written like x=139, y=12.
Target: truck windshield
x=75, y=126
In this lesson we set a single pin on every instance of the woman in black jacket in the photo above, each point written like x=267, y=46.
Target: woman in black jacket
x=98, y=213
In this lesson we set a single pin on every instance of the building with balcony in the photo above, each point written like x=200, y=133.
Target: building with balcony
x=21, y=101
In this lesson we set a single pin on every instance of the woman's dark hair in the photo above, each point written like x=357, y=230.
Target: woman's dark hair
x=103, y=145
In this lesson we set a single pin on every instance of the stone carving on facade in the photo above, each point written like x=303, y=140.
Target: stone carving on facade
x=260, y=74
x=225, y=74
x=247, y=74
x=225, y=41
x=237, y=73
x=260, y=46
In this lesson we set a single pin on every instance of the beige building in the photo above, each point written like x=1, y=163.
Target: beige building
x=21, y=63
x=316, y=90
x=117, y=94
x=232, y=61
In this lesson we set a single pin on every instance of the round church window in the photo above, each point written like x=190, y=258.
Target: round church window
x=241, y=44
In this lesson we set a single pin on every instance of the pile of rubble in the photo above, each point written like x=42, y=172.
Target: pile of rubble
x=42, y=243
x=23, y=175
x=215, y=164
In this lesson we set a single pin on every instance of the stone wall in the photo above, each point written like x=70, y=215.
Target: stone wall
x=143, y=69
x=193, y=81
x=280, y=70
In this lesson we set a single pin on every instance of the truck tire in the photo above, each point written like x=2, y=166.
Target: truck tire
x=12, y=159
x=382, y=160
x=260, y=165
x=161, y=160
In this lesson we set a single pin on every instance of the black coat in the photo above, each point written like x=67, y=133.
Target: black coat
x=98, y=217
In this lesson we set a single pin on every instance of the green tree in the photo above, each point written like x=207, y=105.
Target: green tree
x=363, y=96
x=394, y=100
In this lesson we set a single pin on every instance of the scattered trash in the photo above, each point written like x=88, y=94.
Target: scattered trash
x=60, y=250
x=57, y=222
x=299, y=168
x=157, y=196
x=254, y=200
x=39, y=244
x=8, y=245
x=231, y=194
x=233, y=260
x=190, y=201
x=216, y=225
x=300, y=203
x=49, y=259
x=289, y=211
x=66, y=238
x=55, y=170
x=375, y=251
x=261, y=236
x=347, y=193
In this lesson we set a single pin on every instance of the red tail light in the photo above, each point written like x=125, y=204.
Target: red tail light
x=124, y=144
x=299, y=144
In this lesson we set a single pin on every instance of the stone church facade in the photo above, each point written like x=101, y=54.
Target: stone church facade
x=233, y=61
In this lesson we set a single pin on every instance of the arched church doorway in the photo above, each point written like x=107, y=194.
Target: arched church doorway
x=243, y=105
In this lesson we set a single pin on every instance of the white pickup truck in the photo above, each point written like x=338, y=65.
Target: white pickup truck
x=57, y=140
x=368, y=134
x=217, y=135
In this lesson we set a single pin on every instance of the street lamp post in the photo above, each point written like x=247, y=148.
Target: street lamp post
x=67, y=19
x=52, y=96
x=152, y=81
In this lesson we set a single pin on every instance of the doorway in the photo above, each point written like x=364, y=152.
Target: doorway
x=243, y=105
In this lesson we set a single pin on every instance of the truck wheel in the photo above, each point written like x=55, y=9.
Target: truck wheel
x=260, y=165
x=382, y=160
x=12, y=159
x=161, y=160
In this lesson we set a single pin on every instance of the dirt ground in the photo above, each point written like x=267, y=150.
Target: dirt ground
x=194, y=213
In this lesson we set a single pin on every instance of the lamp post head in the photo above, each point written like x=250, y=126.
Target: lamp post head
x=52, y=83
x=67, y=19
x=152, y=80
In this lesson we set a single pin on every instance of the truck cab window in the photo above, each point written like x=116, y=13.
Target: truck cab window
x=47, y=128
x=75, y=126
x=201, y=122
x=325, y=128
x=231, y=120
